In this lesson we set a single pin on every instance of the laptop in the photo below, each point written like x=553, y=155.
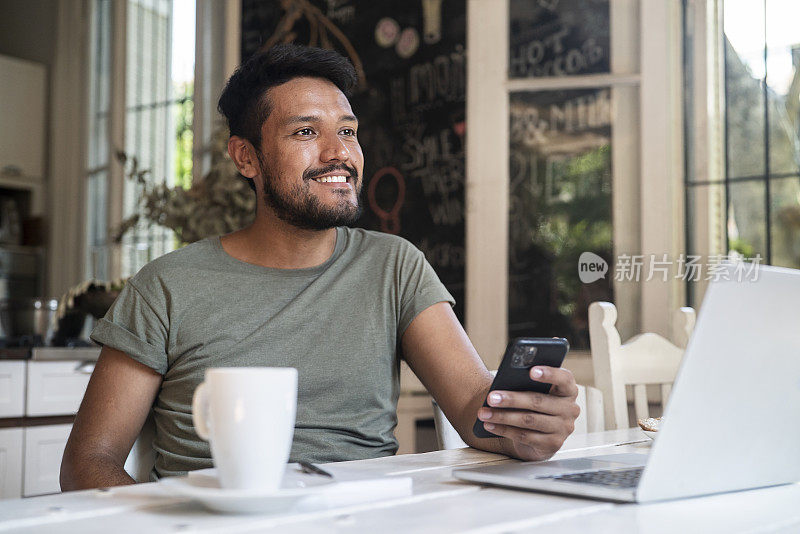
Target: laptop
x=731, y=422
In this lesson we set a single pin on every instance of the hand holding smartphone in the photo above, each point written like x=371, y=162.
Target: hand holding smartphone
x=514, y=372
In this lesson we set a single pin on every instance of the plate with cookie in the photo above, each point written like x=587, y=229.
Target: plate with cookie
x=650, y=426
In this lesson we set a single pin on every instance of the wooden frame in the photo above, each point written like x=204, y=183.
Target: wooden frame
x=633, y=22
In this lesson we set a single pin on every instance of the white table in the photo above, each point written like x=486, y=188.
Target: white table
x=438, y=504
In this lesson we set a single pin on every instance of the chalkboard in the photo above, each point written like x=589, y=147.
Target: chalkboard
x=410, y=103
x=558, y=38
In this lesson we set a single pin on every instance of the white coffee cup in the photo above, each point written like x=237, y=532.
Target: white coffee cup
x=247, y=414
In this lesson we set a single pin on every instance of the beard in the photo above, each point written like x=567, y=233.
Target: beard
x=301, y=208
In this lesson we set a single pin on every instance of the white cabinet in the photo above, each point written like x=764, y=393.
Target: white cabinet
x=56, y=388
x=12, y=388
x=30, y=455
x=10, y=463
x=44, y=447
x=22, y=108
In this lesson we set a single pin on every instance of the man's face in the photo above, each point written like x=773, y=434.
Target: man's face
x=310, y=159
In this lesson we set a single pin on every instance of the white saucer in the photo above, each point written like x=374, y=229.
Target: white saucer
x=205, y=488
x=650, y=434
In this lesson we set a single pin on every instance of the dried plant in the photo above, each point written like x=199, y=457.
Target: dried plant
x=218, y=203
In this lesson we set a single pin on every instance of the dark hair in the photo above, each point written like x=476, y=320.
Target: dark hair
x=244, y=102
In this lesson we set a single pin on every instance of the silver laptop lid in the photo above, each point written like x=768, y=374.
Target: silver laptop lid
x=733, y=419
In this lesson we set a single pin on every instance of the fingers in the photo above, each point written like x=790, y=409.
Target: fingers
x=536, y=424
x=562, y=380
x=522, y=419
x=537, y=402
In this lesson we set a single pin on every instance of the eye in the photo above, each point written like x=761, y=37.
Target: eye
x=348, y=131
x=304, y=132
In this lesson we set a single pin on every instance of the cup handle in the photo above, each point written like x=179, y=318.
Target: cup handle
x=200, y=411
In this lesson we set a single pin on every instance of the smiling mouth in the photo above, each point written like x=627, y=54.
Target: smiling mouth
x=340, y=179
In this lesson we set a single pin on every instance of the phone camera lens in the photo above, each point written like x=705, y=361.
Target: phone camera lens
x=530, y=355
x=523, y=356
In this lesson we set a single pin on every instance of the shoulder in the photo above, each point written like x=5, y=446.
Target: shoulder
x=174, y=266
x=379, y=243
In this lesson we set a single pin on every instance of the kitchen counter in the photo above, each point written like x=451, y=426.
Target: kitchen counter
x=49, y=354
x=15, y=353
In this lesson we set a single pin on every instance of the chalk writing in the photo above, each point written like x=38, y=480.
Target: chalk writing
x=548, y=57
x=446, y=255
x=390, y=219
x=440, y=171
x=558, y=38
x=532, y=125
x=430, y=84
x=338, y=11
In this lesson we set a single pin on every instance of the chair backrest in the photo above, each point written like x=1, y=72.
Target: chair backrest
x=590, y=401
x=142, y=457
x=644, y=359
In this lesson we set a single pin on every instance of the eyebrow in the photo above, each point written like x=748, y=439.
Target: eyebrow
x=314, y=118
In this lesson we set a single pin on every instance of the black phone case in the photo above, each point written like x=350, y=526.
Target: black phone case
x=549, y=351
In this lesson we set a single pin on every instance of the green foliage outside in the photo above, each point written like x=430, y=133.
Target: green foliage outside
x=561, y=209
x=579, y=221
x=183, y=134
x=742, y=247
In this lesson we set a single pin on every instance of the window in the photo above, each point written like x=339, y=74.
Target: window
x=559, y=208
x=153, y=110
x=753, y=201
x=570, y=138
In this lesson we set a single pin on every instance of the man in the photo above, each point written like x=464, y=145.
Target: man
x=296, y=288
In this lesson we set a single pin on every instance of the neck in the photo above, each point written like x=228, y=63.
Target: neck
x=272, y=242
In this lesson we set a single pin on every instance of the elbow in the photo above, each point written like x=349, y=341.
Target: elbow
x=67, y=474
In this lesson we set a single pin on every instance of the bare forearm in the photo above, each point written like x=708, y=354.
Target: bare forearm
x=92, y=471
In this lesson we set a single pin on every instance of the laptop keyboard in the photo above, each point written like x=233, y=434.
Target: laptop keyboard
x=617, y=478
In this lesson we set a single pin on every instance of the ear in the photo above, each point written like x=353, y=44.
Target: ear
x=244, y=156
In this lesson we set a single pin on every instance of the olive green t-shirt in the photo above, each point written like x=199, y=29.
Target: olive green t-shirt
x=339, y=324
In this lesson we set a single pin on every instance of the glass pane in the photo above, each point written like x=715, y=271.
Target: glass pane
x=785, y=217
x=783, y=79
x=747, y=219
x=159, y=92
x=558, y=38
x=97, y=145
x=97, y=155
x=744, y=96
x=560, y=207
x=96, y=213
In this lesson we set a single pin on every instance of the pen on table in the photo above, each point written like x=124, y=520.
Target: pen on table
x=308, y=467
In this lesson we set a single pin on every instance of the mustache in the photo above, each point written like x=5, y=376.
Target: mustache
x=315, y=173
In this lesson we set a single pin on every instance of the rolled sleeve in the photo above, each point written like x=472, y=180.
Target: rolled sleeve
x=136, y=327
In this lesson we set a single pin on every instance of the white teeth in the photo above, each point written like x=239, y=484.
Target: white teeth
x=330, y=179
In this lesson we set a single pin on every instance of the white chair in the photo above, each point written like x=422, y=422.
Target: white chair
x=142, y=457
x=590, y=401
x=411, y=408
x=645, y=359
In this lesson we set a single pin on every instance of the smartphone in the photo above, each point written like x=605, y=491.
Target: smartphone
x=521, y=354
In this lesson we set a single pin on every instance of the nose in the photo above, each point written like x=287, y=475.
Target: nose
x=334, y=150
